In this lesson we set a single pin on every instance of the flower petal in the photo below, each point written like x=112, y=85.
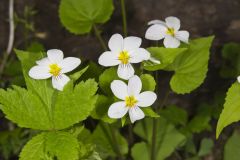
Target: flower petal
x=125, y=71
x=55, y=55
x=146, y=99
x=173, y=22
x=43, y=62
x=156, y=21
x=238, y=78
x=135, y=113
x=60, y=81
x=154, y=60
x=69, y=64
x=130, y=43
x=171, y=42
x=117, y=110
x=156, y=32
x=116, y=43
x=119, y=89
x=139, y=55
x=182, y=36
x=39, y=72
x=108, y=59
x=134, y=86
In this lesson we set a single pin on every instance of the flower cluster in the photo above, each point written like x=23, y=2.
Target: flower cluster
x=123, y=53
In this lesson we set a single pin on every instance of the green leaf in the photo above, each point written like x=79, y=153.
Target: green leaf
x=138, y=149
x=149, y=112
x=75, y=104
x=106, y=79
x=168, y=138
x=191, y=66
x=166, y=56
x=60, y=145
x=78, y=74
x=24, y=108
x=231, y=54
x=102, y=105
x=148, y=82
x=175, y=114
x=93, y=71
x=232, y=147
x=105, y=146
x=205, y=147
x=231, y=110
x=79, y=16
x=199, y=123
x=35, y=47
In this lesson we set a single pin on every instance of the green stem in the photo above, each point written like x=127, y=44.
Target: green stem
x=124, y=17
x=99, y=37
x=154, y=135
x=115, y=142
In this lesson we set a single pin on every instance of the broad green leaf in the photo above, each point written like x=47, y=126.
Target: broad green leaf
x=175, y=114
x=231, y=64
x=231, y=110
x=24, y=108
x=191, y=66
x=205, y=147
x=79, y=16
x=102, y=105
x=168, y=138
x=232, y=147
x=60, y=145
x=166, y=56
x=106, y=78
x=148, y=82
x=102, y=137
x=74, y=105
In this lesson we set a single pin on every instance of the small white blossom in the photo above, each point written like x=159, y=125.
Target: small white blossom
x=168, y=30
x=131, y=98
x=123, y=52
x=55, y=66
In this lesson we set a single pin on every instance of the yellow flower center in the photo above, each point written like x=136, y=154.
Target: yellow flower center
x=124, y=57
x=171, y=31
x=130, y=101
x=54, y=69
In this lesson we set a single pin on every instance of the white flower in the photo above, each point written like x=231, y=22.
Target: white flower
x=132, y=99
x=123, y=52
x=169, y=31
x=54, y=65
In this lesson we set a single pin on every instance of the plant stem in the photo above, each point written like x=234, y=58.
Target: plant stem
x=115, y=142
x=124, y=17
x=130, y=133
x=99, y=37
x=11, y=37
x=11, y=26
x=154, y=135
